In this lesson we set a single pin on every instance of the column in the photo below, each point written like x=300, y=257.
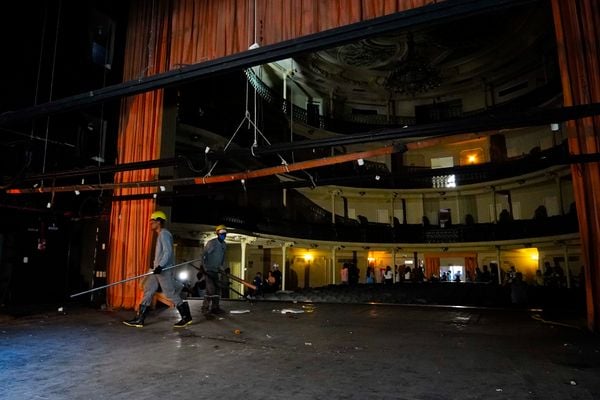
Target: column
x=567, y=268
x=333, y=193
x=495, y=207
x=560, y=195
x=499, y=260
x=458, y=219
x=283, y=266
x=243, y=262
x=392, y=203
x=333, y=264
x=394, y=264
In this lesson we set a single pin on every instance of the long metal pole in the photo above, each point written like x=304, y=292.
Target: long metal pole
x=133, y=278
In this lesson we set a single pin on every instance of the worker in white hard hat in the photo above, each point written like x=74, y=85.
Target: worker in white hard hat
x=277, y=275
x=163, y=258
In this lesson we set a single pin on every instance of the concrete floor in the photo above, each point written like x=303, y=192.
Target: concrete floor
x=335, y=352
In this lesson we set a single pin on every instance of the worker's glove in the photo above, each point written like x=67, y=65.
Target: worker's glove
x=158, y=270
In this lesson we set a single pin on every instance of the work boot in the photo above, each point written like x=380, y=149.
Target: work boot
x=215, y=309
x=206, y=308
x=205, y=305
x=186, y=316
x=138, y=321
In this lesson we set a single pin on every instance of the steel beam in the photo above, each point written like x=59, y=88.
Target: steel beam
x=434, y=13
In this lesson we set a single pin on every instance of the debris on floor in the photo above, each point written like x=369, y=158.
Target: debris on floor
x=239, y=311
x=292, y=311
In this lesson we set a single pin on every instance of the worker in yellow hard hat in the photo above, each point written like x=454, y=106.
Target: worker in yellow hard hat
x=214, y=260
x=162, y=276
x=158, y=215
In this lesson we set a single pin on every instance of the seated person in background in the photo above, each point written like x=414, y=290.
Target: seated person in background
x=486, y=275
x=549, y=277
x=504, y=217
x=444, y=277
x=270, y=284
x=344, y=274
x=478, y=275
x=510, y=275
x=258, y=282
x=539, y=278
x=407, y=274
x=388, y=275
x=457, y=277
x=277, y=275
x=540, y=213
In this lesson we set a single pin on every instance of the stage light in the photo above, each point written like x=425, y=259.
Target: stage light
x=183, y=275
x=360, y=162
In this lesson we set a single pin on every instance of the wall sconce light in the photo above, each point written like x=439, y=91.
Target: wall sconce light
x=472, y=156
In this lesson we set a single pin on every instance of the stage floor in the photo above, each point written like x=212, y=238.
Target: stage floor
x=331, y=351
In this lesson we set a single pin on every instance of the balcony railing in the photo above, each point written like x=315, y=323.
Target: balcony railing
x=312, y=227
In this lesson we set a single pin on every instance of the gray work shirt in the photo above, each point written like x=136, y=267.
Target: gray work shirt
x=163, y=253
x=214, y=255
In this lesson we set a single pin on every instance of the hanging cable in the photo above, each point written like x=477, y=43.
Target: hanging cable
x=255, y=22
x=39, y=71
x=103, y=128
x=292, y=106
x=52, y=84
x=255, y=144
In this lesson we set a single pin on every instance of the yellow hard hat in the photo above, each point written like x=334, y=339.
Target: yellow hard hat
x=219, y=228
x=158, y=214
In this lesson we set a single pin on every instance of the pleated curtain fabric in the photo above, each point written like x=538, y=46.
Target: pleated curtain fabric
x=577, y=28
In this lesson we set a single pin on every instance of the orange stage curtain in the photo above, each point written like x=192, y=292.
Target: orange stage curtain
x=165, y=35
x=138, y=140
x=470, y=265
x=578, y=42
x=432, y=266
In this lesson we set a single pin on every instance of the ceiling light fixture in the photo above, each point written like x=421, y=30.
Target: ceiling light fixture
x=414, y=74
